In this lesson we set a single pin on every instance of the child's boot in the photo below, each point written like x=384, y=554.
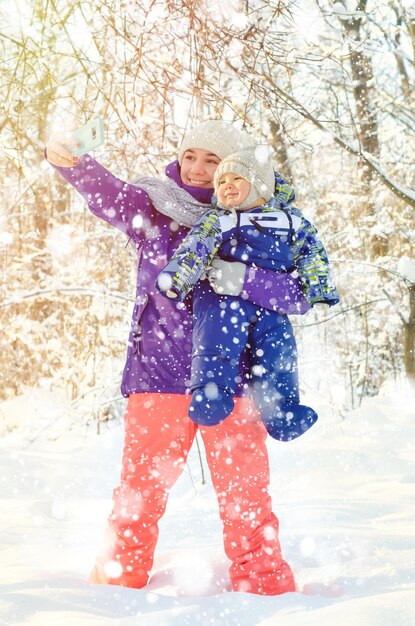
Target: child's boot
x=288, y=420
x=210, y=405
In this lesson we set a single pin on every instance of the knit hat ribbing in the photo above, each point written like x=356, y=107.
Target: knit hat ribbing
x=251, y=165
x=216, y=136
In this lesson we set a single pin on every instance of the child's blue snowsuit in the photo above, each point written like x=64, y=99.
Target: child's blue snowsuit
x=269, y=237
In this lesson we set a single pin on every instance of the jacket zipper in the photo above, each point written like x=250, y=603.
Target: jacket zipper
x=137, y=327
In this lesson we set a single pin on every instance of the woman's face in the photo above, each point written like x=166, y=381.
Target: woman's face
x=198, y=168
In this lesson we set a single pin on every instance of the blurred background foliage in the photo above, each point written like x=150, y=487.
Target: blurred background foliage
x=328, y=85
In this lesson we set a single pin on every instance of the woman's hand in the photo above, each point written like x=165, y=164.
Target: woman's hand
x=56, y=151
x=226, y=277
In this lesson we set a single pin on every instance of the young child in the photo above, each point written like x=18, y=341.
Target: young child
x=247, y=225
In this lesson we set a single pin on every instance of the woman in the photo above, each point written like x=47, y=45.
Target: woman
x=155, y=215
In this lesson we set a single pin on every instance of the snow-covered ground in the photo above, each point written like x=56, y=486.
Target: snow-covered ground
x=344, y=493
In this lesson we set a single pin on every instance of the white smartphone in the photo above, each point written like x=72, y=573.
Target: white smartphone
x=89, y=137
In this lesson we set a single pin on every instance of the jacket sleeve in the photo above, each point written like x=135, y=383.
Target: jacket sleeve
x=312, y=264
x=121, y=204
x=277, y=291
x=191, y=258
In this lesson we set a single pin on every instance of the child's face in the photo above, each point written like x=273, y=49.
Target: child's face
x=232, y=190
x=198, y=168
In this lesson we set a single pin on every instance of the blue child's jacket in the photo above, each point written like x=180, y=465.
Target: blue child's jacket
x=271, y=236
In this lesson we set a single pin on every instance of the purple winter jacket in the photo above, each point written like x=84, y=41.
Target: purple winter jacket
x=160, y=339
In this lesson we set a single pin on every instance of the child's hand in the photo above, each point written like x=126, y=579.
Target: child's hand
x=226, y=277
x=56, y=151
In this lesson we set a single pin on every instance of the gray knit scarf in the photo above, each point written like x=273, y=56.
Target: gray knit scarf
x=171, y=200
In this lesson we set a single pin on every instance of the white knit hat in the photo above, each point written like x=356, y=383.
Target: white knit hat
x=256, y=167
x=216, y=136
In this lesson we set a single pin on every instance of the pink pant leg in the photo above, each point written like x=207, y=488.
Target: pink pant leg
x=158, y=437
x=238, y=460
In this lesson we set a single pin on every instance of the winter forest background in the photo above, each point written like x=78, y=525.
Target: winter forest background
x=328, y=85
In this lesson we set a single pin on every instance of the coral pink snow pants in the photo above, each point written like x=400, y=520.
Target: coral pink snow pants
x=158, y=437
